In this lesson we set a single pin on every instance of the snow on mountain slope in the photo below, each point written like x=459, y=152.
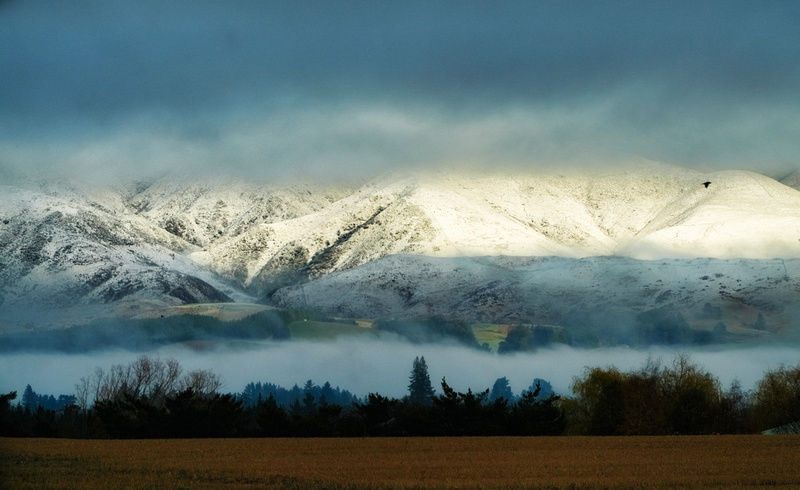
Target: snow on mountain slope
x=792, y=180
x=554, y=290
x=741, y=214
x=651, y=211
x=205, y=211
x=63, y=252
x=429, y=215
x=316, y=242
x=64, y=243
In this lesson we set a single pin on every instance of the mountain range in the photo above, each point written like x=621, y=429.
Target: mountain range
x=549, y=246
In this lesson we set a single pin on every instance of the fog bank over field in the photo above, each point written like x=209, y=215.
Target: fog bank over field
x=383, y=367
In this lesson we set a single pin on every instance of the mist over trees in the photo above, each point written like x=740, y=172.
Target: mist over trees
x=154, y=398
x=152, y=379
x=420, y=390
x=256, y=392
x=527, y=338
x=145, y=333
x=501, y=389
x=433, y=329
x=32, y=401
x=579, y=328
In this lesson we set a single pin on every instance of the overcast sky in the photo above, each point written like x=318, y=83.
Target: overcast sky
x=344, y=88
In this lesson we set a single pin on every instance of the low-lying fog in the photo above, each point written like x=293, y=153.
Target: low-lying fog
x=384, y=366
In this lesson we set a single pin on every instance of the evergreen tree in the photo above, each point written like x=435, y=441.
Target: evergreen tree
x=761, y=322
x=8, y=426
x=542, y=387
x=29, y=399
x=420, y=390
x=272, y=419
x=501, y=389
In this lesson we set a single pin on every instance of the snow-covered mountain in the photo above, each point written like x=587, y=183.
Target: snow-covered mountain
x=601, y=290
x=175, y=241
x=653, y=211
x=66, y=250
x=792, y=180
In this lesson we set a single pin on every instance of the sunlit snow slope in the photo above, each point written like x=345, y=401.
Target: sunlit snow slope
x=654, y=211
x=179, y=240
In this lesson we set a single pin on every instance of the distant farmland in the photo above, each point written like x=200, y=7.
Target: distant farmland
x=490, y=334
x=496, y=462
x=316, y=330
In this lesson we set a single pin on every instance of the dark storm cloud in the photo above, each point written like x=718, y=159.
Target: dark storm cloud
x=184, y=83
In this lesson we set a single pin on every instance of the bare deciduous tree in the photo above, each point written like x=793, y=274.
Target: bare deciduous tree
x=151, y=378
x=201, y=382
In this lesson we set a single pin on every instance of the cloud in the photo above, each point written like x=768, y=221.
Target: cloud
x=383, y=367
x=294, y=87
x=324, y=141
x=357, y=141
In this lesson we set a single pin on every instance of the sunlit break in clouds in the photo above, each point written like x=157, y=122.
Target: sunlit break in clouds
x=327, y=90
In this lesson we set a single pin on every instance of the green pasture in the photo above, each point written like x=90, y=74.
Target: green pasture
x=491, y=334
x=317, y=330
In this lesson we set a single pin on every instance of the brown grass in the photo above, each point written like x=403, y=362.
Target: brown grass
x=221, y=311
x=496, y=462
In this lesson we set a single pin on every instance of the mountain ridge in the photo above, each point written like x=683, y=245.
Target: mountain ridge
x=555, y=290
x=439, y=215
x=176, y=240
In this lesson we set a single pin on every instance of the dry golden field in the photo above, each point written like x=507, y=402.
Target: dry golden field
x=494, y=462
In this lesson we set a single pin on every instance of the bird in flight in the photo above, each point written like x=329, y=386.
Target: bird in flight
x=706, y=184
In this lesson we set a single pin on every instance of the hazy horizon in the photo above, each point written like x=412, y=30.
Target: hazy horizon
x=383, y=367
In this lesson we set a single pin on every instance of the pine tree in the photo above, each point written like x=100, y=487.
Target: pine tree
x=420, y=390
x=501, y=389
x=542, y=389
x=29, y=399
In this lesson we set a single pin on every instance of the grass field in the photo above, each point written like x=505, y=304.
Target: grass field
x=222, y=311
x=560, y=462
x=490, y=334
x=315, y=330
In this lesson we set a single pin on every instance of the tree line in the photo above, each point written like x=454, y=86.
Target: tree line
x=147, y=333
x=153, y=398
x=660, y=326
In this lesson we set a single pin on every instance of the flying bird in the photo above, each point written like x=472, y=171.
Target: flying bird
x=706, y=184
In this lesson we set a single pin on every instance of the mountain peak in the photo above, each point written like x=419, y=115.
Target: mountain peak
x=99, y=243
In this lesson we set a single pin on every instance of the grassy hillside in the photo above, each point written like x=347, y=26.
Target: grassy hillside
x=490, y=334
x=220, y=311
x=326, y=330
